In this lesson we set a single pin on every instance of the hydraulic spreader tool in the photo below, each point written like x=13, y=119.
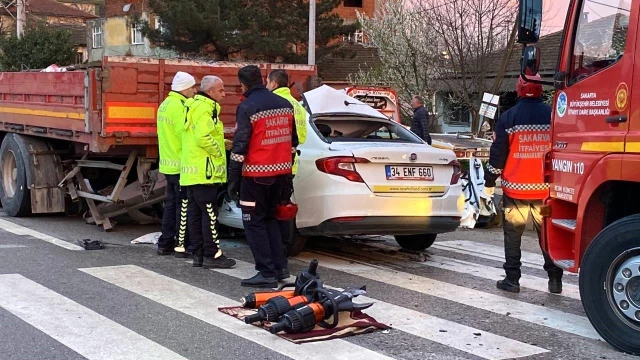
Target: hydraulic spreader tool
x=307, y=305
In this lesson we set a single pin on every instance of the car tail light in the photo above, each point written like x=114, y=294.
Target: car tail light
x=457, y=171
x=341, y=166
x=546, y=167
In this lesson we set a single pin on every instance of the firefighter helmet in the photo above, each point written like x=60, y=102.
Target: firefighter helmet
x=529, y=89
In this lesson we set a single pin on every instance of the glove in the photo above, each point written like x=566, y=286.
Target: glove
x=489, y=191
x=234, y=190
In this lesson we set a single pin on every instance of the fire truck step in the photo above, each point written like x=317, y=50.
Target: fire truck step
x=568, y=224
x=565, y=264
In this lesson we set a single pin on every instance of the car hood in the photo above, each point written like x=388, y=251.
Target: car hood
x=326, y=100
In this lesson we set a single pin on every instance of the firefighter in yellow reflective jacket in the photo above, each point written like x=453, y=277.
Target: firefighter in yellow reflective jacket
x=278, y=83
x=203, y=170
x=170, y=123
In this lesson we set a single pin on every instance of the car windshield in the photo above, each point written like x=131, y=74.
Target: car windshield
x=364, y=130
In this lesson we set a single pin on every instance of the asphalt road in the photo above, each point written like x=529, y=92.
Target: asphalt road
x=125, y=302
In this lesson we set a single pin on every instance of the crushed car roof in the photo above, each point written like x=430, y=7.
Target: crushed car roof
x=327, y=100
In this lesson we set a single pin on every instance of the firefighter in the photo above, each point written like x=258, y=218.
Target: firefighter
x=278, y=83
x=522, y=136
x=203, y=171
x=260, y=172
x=170, y=123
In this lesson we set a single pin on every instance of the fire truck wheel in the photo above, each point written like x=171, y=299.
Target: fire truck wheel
x=14, y=192
x=416, y=242
x=610, y=284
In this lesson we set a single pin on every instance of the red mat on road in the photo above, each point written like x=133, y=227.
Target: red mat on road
x=349, y=324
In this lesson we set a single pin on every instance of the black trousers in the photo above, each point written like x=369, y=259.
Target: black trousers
x=258, y=200
x=515, y=216
x=174, y=219
x=202, y=219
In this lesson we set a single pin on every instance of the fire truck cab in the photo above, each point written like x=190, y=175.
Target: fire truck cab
x=592, y=215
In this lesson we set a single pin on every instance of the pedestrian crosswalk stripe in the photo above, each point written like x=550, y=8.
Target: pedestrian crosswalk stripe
x=84, y=331
x=21, y=230
x=203, y=305
x=12, y=246
x=536, y=314
x=457, y=336
x=491, y=252
x=483, y=271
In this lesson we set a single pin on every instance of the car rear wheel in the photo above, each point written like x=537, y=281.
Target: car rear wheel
x=416, y=242
x=14, y=192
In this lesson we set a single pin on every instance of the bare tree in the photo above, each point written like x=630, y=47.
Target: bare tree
x=408, y=49
x=471, y=32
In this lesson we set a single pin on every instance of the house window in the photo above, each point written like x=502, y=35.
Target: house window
x=97, y=37
x=352, y=3
x=136, y=34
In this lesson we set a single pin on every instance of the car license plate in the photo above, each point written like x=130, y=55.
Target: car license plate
x=424, y=173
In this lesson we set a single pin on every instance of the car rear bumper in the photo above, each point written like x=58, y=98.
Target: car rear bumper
x=385, y=225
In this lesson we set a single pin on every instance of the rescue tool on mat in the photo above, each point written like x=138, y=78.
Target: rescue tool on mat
x=327, y=304
x=305, y=284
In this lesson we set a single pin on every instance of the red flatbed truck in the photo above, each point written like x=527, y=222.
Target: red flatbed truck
x=65, y=133
x=592, y=216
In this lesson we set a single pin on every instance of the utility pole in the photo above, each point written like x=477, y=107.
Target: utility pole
x=21, y=17
x=312, y=32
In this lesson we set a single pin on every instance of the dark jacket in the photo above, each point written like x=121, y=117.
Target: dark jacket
x=420, y=124
x=261, y=105
x=522, y=137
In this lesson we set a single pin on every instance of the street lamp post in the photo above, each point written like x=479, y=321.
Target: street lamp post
x=312, y=32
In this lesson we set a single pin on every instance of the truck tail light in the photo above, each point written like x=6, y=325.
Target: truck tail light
x=341, y=166
x=457, y=172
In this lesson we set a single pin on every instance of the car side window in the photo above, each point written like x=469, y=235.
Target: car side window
x=600, y=37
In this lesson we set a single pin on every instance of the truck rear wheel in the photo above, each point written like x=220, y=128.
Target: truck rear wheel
x=610, y=284
x=416, y=242
x=14, y=192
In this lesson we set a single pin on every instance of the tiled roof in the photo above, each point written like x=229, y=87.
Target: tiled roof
x=114, y=8
x=338, y=68
x=78, y=33
x=54, y=8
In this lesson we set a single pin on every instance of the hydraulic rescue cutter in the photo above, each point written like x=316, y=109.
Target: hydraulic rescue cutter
x=307, y=305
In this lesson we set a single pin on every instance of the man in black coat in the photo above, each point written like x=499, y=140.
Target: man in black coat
x=420, y=121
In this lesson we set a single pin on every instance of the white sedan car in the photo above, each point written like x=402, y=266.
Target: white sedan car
x=363, y=174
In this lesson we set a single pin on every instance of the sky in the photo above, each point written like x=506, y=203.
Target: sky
x=555, y=12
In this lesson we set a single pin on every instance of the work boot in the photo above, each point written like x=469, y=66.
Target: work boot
x=221, y=262
x=259, y=281
x=165, y=252
x=555, y=286
x=197, y=260
x=283, y=274
x=508, y=285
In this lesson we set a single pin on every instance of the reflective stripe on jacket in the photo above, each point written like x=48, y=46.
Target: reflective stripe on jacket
x=300, y=115
x=517, y=153
x=203, y=155
x=170, y=120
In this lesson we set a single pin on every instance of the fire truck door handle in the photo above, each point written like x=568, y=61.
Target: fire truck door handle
x=616, y=119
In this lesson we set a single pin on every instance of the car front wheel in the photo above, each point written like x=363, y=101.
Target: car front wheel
x=416, y=242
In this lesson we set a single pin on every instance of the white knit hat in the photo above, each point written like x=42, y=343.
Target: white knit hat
x=182, y=81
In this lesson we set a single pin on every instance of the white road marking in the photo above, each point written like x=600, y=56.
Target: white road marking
x=84, y=331
x=12, y=246
x=490, y=252
x=457, y=336
x=203, y=305
x=535, y=314
x=21, y=230
x=483, y=271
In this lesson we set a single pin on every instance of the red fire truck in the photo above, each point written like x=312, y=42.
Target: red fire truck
x=592, y=216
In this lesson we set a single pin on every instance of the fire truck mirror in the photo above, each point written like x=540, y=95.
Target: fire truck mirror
x=530, y=19
x=530, y=60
